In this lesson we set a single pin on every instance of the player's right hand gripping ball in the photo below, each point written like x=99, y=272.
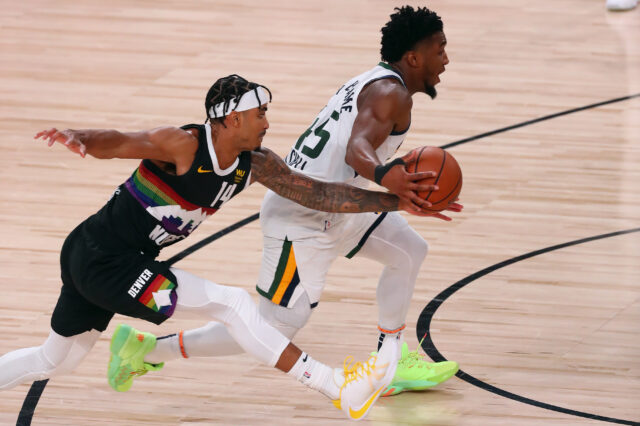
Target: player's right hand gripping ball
x=448, y=176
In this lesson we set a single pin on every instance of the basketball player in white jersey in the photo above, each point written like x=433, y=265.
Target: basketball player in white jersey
x=349, y=141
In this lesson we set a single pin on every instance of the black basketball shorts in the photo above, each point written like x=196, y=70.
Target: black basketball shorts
x=99, y=282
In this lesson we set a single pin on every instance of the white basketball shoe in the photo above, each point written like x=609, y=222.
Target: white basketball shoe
x=364, y=382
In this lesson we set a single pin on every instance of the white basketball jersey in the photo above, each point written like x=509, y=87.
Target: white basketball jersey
x=320, y=153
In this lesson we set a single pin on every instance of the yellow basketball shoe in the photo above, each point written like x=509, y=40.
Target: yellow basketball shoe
x=128, y=348
x=364, y=382
x=416, y=374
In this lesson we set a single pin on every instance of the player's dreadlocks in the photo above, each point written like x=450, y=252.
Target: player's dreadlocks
x=407, y=27
x=224, y=90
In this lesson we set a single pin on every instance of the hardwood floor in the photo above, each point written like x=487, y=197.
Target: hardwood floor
x=561, y=328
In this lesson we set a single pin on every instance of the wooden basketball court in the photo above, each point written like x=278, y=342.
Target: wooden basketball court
x=560, y=329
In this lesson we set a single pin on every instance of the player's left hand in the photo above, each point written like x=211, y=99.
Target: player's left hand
x=65, y=137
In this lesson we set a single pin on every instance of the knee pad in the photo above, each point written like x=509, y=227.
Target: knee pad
x=286, y=320
x=395, y=244
x=230, y=299
x=238, y=297
x=61, y=355
x=412, y=244
x=51, y=366
x=421, y=248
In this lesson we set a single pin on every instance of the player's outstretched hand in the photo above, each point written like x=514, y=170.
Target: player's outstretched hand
x=65, y=137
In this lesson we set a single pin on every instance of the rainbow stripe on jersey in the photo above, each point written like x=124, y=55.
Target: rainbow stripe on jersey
x=151, y=191
x=176, y=215
x=158, y=284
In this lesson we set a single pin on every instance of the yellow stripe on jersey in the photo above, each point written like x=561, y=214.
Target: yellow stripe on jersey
x=287, y=276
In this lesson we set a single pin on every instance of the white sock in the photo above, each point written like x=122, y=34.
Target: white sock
x=316, y=375
x=167, y=349
x=388, y=334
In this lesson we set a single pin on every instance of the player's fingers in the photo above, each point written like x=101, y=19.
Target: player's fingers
x=408, y=205
x=51, y=137
x=441, y=216
x=63, y=138
x=50, y=132
x=420, y=175
x=425, y=209
x=409, y=157
x=420, y=213
x=413, y=209
x=55, y=136
x=422, y=187
x=455, y=207
x=416, y=200
x=412, y=156
x=44, y=134
x=40, y=134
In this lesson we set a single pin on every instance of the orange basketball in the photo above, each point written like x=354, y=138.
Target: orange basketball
x=448, y=178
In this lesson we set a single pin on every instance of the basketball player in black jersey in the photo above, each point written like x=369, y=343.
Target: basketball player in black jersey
x=108, y=263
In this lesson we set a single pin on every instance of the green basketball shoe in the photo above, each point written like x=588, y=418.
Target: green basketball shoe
x=128, y=348
x=415, y=374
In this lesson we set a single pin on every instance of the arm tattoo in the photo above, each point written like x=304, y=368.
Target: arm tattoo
x=268, y=169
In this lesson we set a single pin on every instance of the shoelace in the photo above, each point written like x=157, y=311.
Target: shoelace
x=414, y=359
x=123, y=376
x=353, y=370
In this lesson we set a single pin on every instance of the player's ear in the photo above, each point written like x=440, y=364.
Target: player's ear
x=411, y=58
x=234, y=119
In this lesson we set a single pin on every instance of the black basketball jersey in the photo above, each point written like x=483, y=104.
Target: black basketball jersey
x=154, y=209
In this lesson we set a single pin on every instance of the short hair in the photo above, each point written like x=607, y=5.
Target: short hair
x=224, y=90
x=406, y=28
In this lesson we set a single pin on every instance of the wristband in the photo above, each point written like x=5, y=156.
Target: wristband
x=381, y=170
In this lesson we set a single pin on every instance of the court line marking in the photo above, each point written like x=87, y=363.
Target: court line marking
x=539, y=119
x=424, y=322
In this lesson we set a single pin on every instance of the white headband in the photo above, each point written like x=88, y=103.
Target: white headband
x=248, y=100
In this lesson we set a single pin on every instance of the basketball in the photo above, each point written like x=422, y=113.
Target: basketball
x=448, y=178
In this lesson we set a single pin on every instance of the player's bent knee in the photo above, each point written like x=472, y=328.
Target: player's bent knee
x=48, y=367
x=241, y=297
x=286, y=320
x=415, y=246
x=234, y=298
